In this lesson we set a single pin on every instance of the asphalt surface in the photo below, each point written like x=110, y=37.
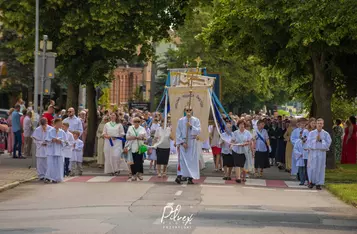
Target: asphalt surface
x=140, y=208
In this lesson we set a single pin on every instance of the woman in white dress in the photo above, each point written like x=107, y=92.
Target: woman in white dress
x=113, y=133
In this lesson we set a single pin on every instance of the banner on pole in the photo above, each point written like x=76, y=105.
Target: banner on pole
x=200, y=102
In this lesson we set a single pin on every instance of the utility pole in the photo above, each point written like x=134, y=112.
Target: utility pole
x=35, y=108
x=43, y=72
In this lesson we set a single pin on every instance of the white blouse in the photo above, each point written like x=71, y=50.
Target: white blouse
x=163, y=137
x=113, y=129
x=241, y=137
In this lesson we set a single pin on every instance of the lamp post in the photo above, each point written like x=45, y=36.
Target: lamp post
x=43, y=72
x=36, y=80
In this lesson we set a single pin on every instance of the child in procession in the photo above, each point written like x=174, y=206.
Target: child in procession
x=55, y=162
x=77, y=155
x=67, y=148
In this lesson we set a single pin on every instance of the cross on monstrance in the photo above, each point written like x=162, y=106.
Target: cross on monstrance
x=198, y=61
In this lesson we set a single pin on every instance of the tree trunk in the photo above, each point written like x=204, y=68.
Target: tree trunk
x=72, y=96
x=92, y=121
x=313, y=107
x=322, y=92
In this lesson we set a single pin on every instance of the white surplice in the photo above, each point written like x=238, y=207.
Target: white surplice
x=316, y=163
x=39, y=138
x=188, y=158
x=55, y=160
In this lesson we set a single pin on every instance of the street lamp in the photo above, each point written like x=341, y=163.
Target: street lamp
x=36, y=80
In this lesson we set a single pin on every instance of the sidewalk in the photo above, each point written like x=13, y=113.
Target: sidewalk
x=15, y=171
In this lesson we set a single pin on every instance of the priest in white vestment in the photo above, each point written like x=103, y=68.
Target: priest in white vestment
x=318, y=143
x=188, y=165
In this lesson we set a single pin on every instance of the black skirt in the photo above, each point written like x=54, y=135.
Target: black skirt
x=162, y=156
x=228, y=160
x=261, y=159
x=239, y=159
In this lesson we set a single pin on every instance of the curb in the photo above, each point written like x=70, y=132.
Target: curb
x=15, y=184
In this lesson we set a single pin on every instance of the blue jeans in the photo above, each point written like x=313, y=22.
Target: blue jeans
x=17, y=143
x=302, y=172
x=66, y=166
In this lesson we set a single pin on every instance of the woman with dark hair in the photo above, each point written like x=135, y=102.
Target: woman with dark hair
x=350, y=143
x=113, y=146
x=241, y=140
x=337, y=135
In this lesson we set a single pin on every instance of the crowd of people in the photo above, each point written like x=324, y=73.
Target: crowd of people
x=125, y=138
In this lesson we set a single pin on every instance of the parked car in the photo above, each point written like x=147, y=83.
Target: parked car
x=4, y=113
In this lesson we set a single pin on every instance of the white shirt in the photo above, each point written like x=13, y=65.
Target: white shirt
x=75, y=124
x=224, y=142
x=140, y=131
x=27, y=127
x=241, y=137
x=163, y=137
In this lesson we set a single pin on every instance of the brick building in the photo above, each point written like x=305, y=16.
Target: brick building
x=127, y=80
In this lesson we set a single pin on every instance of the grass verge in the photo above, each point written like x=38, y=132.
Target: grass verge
x=342, y=182
x=346, y=192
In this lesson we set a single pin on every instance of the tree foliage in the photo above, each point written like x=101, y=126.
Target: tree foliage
x=90, y=36
x=301, y=39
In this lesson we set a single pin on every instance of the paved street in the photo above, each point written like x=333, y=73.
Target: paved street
x=138, y=208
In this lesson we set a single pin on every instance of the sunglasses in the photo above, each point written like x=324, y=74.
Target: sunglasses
x=188, y=110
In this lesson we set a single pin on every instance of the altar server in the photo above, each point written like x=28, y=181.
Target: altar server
x=113, y=133
x=188, y=165
x=318, y=143
x=77, y=155
x=55, y=162
x=297, y=134
x=39, y=137
x=67, y=148
x=298, y=153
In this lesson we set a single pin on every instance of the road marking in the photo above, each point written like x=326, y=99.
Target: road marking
x=215, y=186
x=260, y=188
x=298, y=190
x=170, y=204
x=100, y=179
x=256, y=182
x=184, y=185
x=178, y=193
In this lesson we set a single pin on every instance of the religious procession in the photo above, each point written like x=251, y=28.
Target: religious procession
x=192, y=122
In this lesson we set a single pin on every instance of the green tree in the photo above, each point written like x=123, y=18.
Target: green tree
x=296, y=37
x=90, y=36
x=245, y=81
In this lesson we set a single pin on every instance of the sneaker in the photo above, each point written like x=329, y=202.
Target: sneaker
x=318, y=187
x=159, y=175
x=133, y=178
x=140, y=176
x=301, y=184
x=229, y=178
x=164, y=174
x=190, y=181
x=311, y=186
x=239, y=181
x=225, y=178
